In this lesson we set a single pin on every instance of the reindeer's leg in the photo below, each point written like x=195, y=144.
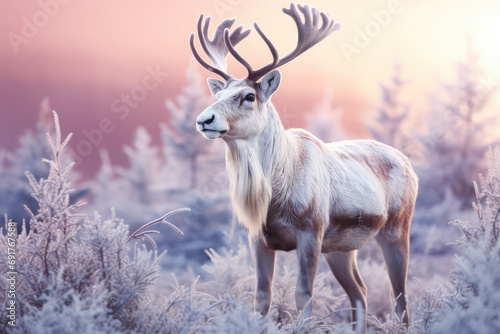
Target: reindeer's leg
x=264, y=266
x=308, y=252
x=345, y=269
x=396, y=252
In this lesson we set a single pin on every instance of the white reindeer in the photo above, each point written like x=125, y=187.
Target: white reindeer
x=292, y=191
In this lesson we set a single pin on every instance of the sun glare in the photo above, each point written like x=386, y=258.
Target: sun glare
x=486, y=37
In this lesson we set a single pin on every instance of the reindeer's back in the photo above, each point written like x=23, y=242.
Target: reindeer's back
x=358, y=175
x=371, y=175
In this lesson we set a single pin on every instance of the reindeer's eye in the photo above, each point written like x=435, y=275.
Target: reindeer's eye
x=250, y=97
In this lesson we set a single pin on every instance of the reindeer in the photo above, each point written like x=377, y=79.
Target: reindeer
x=292, y=191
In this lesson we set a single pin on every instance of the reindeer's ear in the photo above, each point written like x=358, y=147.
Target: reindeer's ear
x=215, y=86
x=269, y=84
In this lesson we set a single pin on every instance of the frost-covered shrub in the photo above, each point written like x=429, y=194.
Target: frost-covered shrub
x=15, y=190
x=426, y=312
x=474, y=305
x=72, y=276
x=240, y=320
x=231, y=273
x=58, y=316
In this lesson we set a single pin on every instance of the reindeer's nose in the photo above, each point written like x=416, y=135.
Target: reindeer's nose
x=206, y=121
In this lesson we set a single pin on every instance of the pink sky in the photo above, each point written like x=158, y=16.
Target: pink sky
x=85, y=54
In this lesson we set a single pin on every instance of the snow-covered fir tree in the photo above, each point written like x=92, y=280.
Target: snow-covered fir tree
x=180, y=139
x=388, y=125
x=460, y=129
x=145, y=169
x=135, y=190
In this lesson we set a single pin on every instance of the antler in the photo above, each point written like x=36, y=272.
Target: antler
x=216, y=49
x=309, y=34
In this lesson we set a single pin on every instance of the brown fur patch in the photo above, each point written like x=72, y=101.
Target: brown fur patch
x=399, y=219
x=277, y=232
x=374, y=222
x=350, y=233
x=379, y=165
x=284, y=221
x=309, y=218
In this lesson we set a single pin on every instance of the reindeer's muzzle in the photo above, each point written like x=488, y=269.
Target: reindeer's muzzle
x=211, y=125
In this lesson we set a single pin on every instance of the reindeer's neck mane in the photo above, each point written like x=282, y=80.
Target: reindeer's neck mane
x=250, y=165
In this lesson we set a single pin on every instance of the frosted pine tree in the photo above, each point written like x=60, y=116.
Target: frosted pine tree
x=388, y=126
x=461, y=127
x=180, y=139
x=109, y=190
x=132, y=190
x=145, y=167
